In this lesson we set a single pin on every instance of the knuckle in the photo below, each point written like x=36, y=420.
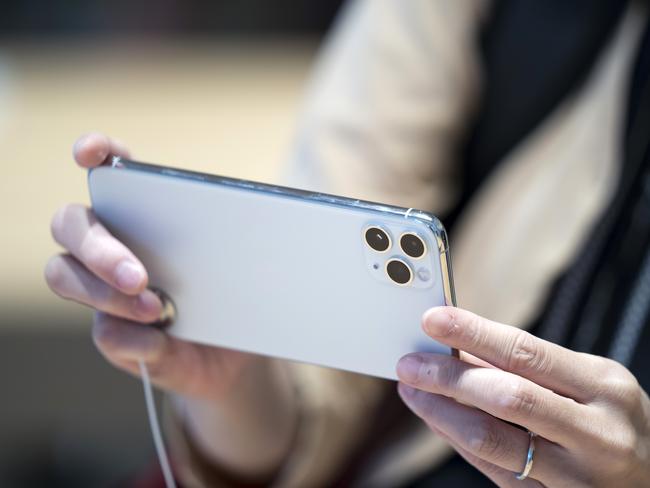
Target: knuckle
x=485, y=440
x=520, y=402
x=619, y=386
x=622, y=449
x=446, y=374
x=628, y=445
x=471, y=331
x=526, y=354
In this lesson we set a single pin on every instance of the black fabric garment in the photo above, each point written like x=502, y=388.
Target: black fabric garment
x=591, y=302
x=610, y=281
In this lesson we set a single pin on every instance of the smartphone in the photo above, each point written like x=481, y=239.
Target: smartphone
x=278, y=271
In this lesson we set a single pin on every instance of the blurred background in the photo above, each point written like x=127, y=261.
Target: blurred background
x=203, y=84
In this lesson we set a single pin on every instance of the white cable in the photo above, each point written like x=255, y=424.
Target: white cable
x=155, y=427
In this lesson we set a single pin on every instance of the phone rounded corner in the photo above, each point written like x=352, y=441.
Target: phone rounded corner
x=434, y=225
x=92, y=174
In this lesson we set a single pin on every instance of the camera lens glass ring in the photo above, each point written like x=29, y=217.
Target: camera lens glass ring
x=377, y=239
x=412, y=245
x=399, y=272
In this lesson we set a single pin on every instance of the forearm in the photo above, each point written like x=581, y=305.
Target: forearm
x=249, y=432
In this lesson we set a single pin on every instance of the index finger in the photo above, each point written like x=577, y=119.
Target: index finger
x=564, y=371
x=92, y=149
x=77, y=229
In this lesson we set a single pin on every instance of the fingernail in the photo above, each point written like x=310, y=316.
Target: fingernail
x=128, y=275
x=408, y=368
x=437, y=321
x=148, y=305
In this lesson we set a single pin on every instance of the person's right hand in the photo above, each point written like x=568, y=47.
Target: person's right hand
x=99, y=271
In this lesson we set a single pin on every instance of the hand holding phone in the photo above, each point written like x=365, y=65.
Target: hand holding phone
x=100, y=271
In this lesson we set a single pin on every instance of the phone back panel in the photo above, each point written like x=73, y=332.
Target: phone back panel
x=254, y=268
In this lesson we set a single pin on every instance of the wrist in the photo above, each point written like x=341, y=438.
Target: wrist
x=248, y=431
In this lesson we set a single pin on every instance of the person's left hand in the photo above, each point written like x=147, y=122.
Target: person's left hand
x=591, y=416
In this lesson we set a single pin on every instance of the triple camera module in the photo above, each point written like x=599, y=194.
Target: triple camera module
x=410, y=243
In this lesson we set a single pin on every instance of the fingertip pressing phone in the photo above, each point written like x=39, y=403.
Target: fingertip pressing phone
x=278, y=271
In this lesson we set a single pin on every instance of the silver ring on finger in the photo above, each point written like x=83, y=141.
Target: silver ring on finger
x=529, y=457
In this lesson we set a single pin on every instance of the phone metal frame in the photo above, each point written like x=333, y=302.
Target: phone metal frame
x=431, y=221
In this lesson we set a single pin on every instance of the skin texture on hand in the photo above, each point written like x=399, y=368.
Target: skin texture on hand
x=591, y=416
x=219, y=389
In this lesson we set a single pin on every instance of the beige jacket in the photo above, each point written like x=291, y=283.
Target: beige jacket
x=391, y=93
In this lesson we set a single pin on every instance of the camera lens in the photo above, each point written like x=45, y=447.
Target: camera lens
x=399, y=272
x=377, y=239
x=412, y=245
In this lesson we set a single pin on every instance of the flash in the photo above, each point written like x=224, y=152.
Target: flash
x=423, y=274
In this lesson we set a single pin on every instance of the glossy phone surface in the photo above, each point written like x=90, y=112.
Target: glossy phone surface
x=278, y=271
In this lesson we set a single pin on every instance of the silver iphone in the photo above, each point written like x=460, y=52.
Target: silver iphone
x=281, y=272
